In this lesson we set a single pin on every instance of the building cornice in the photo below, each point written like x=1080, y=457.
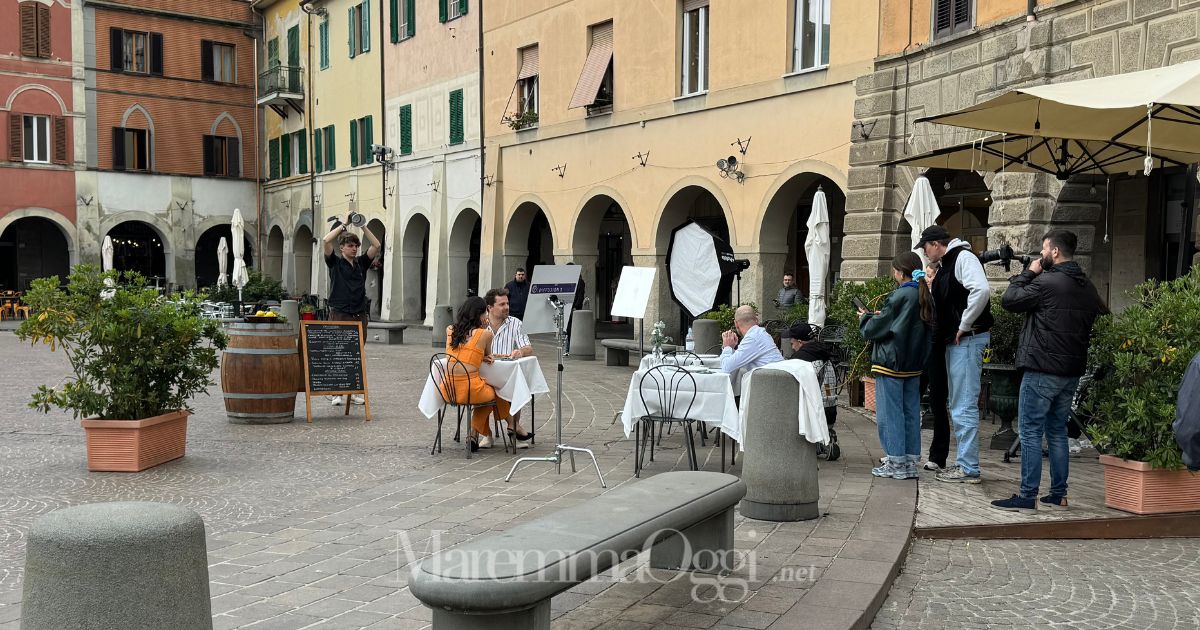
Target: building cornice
x=174, y=15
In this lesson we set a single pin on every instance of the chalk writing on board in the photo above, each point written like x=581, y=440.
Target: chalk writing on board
x=334, y=358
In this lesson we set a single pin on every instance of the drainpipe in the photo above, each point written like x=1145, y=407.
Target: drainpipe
x=1030, y=11
x=258, y=197
x=312, y=148
x=383, y=164
x=482, y=145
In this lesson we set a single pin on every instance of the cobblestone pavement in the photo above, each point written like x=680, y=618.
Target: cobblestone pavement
x=310, y=525
x=1124, y=584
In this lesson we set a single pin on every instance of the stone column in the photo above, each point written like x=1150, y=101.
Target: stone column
x=780, y=465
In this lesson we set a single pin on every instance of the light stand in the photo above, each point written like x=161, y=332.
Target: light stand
x=560, y=448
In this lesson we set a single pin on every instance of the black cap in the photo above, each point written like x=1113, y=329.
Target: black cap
x=933, y=233
x=801, y=331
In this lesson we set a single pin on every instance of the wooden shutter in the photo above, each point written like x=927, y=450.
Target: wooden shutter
x=293, y=45
x=351, y=27
x=324, y=44
x=233, y=157
x=406, y=130
x=442, y=11
x=273, y=158
x=302, y=149
x=206, y=60
x=962, y=14
x=43, y=31
x=367, y=139
x=411, y=15
x=29, y=29
x=366, y=26
x=456, y=117
x=353, y=143
x=594, y=67
x=60, y=139
x=285, y=155
x=318, y=154
x=116, y=49
x=394, y=10
x=16, y=146
x=156, y=54
x=330, y=148
x=118, y=139
x=462, y=7
x=208, y=145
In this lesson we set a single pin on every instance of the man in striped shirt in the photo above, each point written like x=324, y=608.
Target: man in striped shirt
x=508, y=335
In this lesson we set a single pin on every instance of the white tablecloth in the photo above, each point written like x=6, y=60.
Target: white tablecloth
x=713, y=403
x=515, y=381
x=710, y=361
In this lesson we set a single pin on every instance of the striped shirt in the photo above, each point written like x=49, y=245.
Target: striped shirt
x=509, y=337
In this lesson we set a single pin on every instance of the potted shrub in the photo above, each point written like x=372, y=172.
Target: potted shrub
x=999, y=365
x=137, y=359
x=1140, y=356
x=858, y=353
x=307, y=312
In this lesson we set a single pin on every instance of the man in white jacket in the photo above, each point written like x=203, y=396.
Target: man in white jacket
x=963, y=321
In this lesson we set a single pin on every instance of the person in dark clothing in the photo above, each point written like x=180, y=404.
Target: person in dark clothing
x=1187, y=415
x=348, y=278
x=518, y=294
x=1060, y=306
x=936, y=380
x=821, y=354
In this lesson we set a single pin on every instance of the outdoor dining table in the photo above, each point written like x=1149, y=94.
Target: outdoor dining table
x=515, y=380
x=710, y=361
x=714, y=401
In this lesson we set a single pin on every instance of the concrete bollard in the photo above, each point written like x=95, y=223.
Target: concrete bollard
x=291, y=310
x=706, y=333
x=780, y=465
x=443, y=316
x=583, y=335
x=118, y=566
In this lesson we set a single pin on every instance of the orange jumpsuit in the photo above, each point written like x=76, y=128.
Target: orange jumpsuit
x=479, y=391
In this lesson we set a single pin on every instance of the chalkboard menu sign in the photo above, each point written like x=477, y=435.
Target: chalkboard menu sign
x=333, y=361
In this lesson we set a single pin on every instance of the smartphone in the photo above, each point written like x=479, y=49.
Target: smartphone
x=859, y=304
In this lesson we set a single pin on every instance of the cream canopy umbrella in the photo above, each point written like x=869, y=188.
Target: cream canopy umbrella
x=816, y=248
x=1157, y=108
x=106, y=254
x=921, y=211
x=240, y=276
x=222, y=261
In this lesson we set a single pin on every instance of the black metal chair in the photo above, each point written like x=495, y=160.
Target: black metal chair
x=442, y=368
x=682, y=357
x=668, y=393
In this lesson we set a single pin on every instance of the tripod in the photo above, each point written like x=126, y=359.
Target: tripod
x=559, y=448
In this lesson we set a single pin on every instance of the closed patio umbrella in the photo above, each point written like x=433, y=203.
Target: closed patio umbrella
x=816, y=248
x=921, y=211
x=222, y=261
x=240, y=276
x=106, y=254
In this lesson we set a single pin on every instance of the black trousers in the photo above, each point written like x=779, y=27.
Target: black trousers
x=935, y=378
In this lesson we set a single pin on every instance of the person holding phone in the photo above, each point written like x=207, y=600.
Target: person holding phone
x=899, y=332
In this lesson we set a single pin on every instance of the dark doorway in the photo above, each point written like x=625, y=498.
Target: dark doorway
x=137, y=247
x=32, y=248
x=207, y=268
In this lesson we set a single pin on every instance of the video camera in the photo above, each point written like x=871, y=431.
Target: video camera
x=356, y=219
x=1005, y=256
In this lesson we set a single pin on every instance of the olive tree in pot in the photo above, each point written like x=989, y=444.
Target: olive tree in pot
x=137, y=359
x=999, y=366
x=1140, y=356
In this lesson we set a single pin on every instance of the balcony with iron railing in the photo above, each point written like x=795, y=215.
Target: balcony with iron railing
x=280, y=87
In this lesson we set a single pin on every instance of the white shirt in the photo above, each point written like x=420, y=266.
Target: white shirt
x=511, y=336
x=756, y=349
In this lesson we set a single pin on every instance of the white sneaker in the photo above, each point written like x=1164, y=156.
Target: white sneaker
x=485, y=441
x=358, y=399
x=521, y=443
x=338, y=401
x=1074, y=446
x=1085, y=444
x=932, y=466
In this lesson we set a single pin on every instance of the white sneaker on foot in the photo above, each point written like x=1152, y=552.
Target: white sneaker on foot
x=485, y=441
x=337, y=401
x=1074, y=446
x=358, y=399
x=932, y=466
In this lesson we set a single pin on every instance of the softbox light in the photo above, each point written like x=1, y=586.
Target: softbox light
x=698, y=263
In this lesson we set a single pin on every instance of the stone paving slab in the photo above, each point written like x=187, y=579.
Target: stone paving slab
x=314, y=525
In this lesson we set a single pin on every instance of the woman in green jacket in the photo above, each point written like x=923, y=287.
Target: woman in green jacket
x=900, y=334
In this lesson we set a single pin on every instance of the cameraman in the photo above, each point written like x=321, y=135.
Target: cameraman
x=1061, y=305
x=348, y=276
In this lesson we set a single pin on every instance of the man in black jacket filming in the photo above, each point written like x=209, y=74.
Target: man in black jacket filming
x=1060, y=306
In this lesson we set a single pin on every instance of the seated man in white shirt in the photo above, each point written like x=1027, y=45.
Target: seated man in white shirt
x=756, y=347
x=508, y=341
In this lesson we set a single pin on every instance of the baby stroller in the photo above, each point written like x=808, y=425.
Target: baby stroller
x=831, y=376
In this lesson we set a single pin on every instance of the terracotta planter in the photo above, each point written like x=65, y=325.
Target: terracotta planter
x=869, y=392
x=1138, y=487
x=135, y=445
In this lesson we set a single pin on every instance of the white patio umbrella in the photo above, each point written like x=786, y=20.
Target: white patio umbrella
x=222, y=262
x=816, y=248
x=106, y=254
x=921, y=211
x=240, y=276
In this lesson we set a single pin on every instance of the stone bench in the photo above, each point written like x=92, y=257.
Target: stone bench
x=506, y=581
x=616, y=351
x=390, y=333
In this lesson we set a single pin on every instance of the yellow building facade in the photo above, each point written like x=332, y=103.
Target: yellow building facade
x=600, y=170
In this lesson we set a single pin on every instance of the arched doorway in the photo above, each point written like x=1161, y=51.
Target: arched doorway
x=414, y=254
x=528, y=240
x=138, y=247
x=465, y=235
x=698, y=204
x=302, y=253
x=273, y=258
x=603, y=245
x=964, y=200
x=206, y=254
x=32, y=248
x=783, y=250
x=375, y=275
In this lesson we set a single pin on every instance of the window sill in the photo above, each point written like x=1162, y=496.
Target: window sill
x=806, y=71
x=599, y=110
x=692, y=95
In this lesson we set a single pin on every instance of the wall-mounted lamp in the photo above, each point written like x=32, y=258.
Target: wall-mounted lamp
x=729, y=168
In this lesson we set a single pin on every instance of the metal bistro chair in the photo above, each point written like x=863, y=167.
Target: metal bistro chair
x=682, y=358
x=442, y=368
x=674, y=390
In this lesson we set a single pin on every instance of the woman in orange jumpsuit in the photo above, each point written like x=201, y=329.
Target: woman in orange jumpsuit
x=469, y=341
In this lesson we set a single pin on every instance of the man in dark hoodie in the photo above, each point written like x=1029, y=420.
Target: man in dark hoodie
x=821, y=355
x=1060, y=306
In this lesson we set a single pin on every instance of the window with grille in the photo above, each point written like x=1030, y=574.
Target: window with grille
x=951, y=16
x=695, y=48
x=811, y=35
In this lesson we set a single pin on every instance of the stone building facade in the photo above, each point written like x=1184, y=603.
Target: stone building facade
x=1129, y=225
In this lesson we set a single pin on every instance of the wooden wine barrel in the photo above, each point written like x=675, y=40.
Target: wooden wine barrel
x=259, y=371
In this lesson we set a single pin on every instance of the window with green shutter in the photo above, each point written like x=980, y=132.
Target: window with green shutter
x=456, y=117
x=285, y=153
x=365, y=127
x=410, y=13
x=330, y=149
x=352, y=22
x=353, y=143
x=394, y=5
x=451, y=9
x=273, y=158
x=301, y=142
x=324, y=48
x=318, y=156
x=365, y=39
x=406, y=130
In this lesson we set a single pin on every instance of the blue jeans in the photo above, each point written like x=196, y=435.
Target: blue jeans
x=964, y=366
x=898, y=414
x=1045, y=408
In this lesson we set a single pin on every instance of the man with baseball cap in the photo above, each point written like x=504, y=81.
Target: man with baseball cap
x=963, y=321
